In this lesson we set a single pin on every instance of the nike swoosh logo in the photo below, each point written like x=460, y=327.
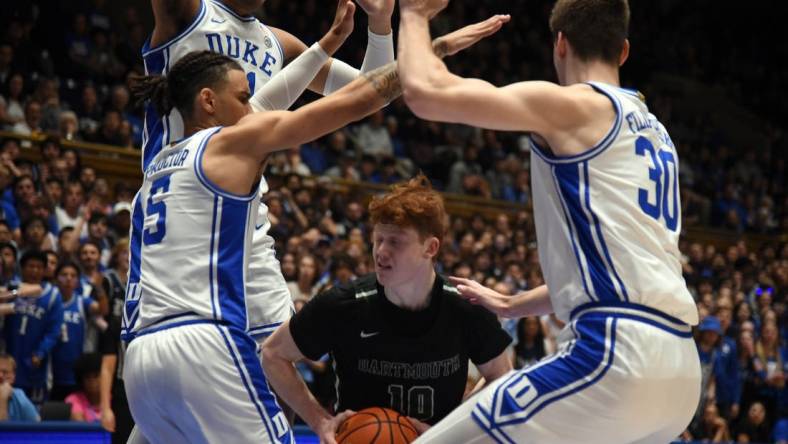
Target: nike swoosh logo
x=365, y=335
x=218, y=21
x=257, y=227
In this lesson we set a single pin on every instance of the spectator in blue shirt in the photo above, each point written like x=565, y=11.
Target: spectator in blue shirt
x=728, y=390
x=14, y=404
x=718, y=363
x=32, y=331
x=77, y=307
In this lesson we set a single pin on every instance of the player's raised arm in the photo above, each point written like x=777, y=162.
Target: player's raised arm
x=272, y=131
x=283, y=89
x=434, y=93
x=334, y=74
x=170, y=17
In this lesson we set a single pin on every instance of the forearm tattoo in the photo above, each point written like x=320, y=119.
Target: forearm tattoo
x=386, y=82
x=440, y=47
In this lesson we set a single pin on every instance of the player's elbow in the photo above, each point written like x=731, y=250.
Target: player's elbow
x=419, y=97
x=268, y=352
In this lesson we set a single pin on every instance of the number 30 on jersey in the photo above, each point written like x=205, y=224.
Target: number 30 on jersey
x=662, y=200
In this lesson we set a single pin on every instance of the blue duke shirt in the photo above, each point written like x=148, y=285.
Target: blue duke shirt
x=71, y=341
x=33, y=330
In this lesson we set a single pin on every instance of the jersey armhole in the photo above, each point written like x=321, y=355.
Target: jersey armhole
x=206, y=182
x=146, y=48
x=595, y=150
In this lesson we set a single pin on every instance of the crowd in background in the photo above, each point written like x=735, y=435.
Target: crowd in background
x=63, y=227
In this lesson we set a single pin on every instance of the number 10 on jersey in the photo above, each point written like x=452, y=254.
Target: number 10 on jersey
x=417, y=402
x=664, y=193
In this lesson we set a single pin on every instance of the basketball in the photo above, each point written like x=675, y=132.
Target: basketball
x=376, y=425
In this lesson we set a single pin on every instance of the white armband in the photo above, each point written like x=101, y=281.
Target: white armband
x=285, y=87
x=380, y=51
x=339, y=75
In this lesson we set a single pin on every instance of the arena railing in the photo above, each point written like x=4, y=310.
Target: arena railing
x=123, y=164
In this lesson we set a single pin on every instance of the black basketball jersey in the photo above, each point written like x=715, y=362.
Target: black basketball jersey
x=415, y=362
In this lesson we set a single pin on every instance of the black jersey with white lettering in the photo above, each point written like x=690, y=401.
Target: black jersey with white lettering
x=415, y=362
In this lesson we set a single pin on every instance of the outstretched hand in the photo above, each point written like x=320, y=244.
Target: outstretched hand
x=341, y=28
x=477, y=294
x=465, y=37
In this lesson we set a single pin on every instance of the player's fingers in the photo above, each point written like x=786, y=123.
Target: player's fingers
x=418, y=425
x=458, y=280
x=468, y=292
x=341, y=417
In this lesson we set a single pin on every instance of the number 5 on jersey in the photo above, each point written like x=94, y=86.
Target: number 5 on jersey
x=156, y=212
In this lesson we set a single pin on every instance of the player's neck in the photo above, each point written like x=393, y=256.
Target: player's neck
x=415, y=294
x=192, y=126
x=593, y=71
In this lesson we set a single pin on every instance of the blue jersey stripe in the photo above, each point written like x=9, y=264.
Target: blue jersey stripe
x=601, y=237
x=133, y=292
x=230, y=261
x=251, y=373
x=211, y=258
x=572, y=239
x=154, y=128
x=564, y=376
x=568, y=176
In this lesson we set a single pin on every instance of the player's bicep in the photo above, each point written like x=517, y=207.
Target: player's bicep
x=496, y=367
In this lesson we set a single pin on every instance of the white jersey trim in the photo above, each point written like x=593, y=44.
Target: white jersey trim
x=206, y=182
x=594, y=151
x=248, y=18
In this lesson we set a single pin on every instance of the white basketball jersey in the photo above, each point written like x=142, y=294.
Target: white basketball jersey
x=216, y=28
x=190, y=242
x=257, y=50
x=608, y=220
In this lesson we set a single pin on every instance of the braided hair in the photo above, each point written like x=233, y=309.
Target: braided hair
x=195, y=71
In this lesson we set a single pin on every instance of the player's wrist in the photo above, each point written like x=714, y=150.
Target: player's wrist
x=332, y=41
x=380, y=25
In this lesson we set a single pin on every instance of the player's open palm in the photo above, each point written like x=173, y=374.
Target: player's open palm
x=456, y=41
x=377, y=8
x=476, y=293
x=344, y=19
